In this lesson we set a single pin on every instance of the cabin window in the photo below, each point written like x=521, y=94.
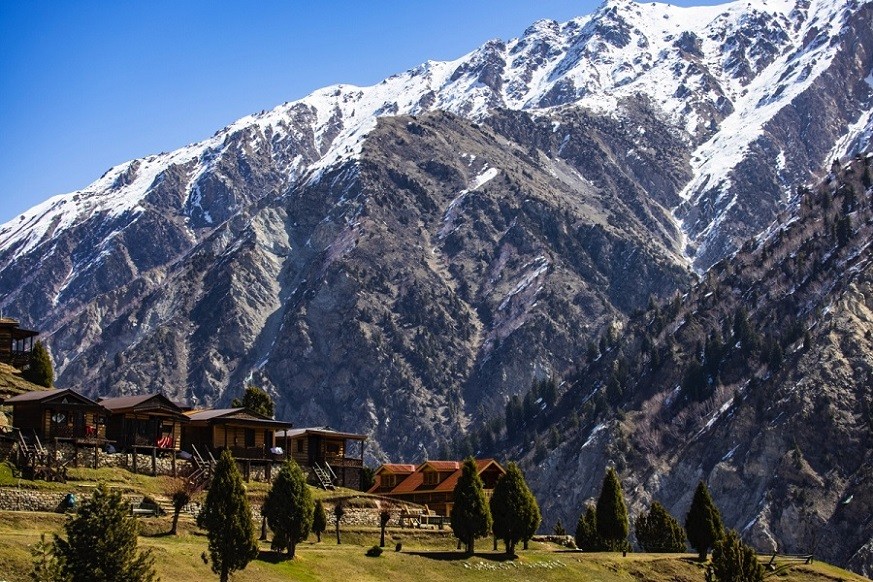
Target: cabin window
x=332, y=448
x=431, y=478
x=389, y=480
x=299, y=445
x=268, y=439
x=250, y=437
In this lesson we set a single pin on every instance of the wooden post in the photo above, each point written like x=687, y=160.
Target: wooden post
x=76, y=456
x=154, y=461
x=268, y=470
x=96, y=455
x=248, y=470
x=174, y=463
x=134, y=459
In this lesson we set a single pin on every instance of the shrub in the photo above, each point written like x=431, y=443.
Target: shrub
x=374, y=552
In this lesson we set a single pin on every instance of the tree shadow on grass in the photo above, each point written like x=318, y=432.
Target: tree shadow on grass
x=449, y=556
x=272, y=557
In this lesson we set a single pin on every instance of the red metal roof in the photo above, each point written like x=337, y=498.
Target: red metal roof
x=414, y=483
x=396, y=468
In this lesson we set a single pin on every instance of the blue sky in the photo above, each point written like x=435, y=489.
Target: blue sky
x=87, y=85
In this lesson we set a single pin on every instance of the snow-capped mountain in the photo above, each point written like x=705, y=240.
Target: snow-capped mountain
x=400, y=259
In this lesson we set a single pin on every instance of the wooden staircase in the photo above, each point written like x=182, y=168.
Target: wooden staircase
x=36, y=463
x=323, y=474
x=201, y=477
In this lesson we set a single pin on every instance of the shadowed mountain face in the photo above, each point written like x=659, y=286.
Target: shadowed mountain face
x=401, y=259
x=757, y=381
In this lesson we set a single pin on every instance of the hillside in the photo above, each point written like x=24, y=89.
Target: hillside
x=757, y=380
x=11, y=383
x=401, y=259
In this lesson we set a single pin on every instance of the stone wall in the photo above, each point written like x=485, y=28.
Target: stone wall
x=25, y=500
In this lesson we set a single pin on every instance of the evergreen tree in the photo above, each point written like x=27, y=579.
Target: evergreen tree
x=319, y=520
x=734, y=561
x=514, y=509
x=612, y=520
x=587, y=538
x=257, y=400
x=227, y=519
x=470, y=518
x=101, y=543
x=658, y=531
x=288, y=508
x=368, y=478
x=40, y=370
x=703, y=522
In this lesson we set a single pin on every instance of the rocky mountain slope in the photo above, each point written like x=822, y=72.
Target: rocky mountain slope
x=756, y=381
x=400, y=259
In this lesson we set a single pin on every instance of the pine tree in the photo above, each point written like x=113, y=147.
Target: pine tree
x=514, y=509
x=101, y=543
x=227, y=519
x=703, y=522
x=587, y=538
x=319, y=520
x=257, y=400
x=470, y=518
x=658, y=531
x=40, y=370
x=288, y=508
x=734, y=561
x=612, y=520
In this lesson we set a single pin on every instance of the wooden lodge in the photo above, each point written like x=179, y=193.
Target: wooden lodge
x=15, y=343
x=431, y=483
x=58, y=415
x=248, y=435
x=149, y=421
x=332, y=457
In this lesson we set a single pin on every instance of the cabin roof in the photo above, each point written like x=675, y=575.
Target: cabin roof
x=396, y=468
x=414, y=483
x=226, y=415
x=324, y=431
x=18, y=333
x=45, y=396
x=140, y=403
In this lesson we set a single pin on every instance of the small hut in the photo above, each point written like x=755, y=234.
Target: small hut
x=247, y=434
x=58, y=414
x=150, y=421
x=16, y=343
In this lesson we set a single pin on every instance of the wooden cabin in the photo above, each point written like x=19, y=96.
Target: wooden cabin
x=339, y=454
x=15, y=343
x=145, y=421
x=247, y=434
x=58, y=414
x=388, y=476
x=433, y=482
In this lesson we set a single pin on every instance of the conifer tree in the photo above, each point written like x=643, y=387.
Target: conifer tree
x=470, y=517
x=734, y=561
x=703, y=522
x=514, y=509
x=658, y=531
x=40, y=370
x=319, y=520
x=587, y=538
x=255, y=399
x=612, y=520
x=288, y=508
x=227, y=519
x=101, y=543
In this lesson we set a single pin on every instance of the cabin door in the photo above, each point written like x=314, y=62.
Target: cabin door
x=314, y=450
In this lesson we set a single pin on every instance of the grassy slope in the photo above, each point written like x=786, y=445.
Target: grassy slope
x=178, y=558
